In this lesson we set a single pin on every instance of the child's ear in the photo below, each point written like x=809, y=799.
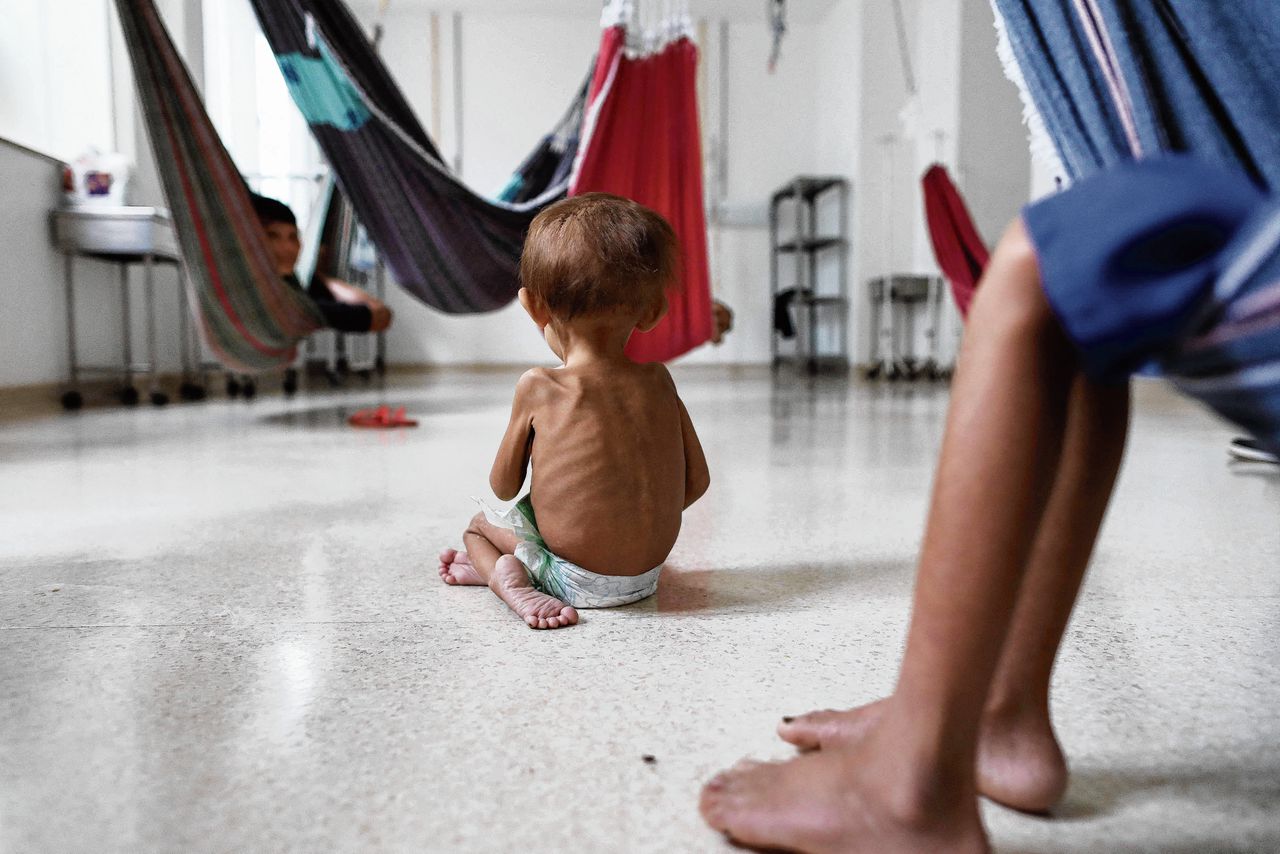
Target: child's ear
x=654, y=315
x=534, y=307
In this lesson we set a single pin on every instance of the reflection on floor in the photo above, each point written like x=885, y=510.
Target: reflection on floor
x=222, y=630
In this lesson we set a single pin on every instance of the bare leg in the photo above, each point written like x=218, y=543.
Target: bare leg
x=1020, y=763
x=910, y=783
x=491, y=551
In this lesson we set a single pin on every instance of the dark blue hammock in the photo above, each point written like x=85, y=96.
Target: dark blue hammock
x=455, y=250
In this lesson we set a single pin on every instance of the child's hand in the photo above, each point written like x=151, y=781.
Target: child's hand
x=381, y=317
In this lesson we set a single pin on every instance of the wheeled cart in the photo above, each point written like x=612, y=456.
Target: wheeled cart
x=904, y=295
x=124, y=236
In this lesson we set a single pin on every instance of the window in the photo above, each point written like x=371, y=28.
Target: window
x=253, y=112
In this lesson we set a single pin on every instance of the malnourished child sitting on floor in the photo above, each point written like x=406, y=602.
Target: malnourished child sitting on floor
x=615, y=454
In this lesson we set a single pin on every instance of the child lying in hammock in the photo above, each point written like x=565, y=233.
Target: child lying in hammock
x=345, y=307
x=615, y=454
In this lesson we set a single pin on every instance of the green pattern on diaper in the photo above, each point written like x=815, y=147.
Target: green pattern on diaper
x=564, y=579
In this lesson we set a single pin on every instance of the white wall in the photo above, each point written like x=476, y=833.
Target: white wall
x=770, y=138
x=964, y=114
x=32, y=346
x=55, y=68
x=72, y=53
x=994, y=163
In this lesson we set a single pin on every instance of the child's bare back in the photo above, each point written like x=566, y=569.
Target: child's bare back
x=611, y=479
x=614, y=456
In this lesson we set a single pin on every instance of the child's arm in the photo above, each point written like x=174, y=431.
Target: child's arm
x=696, y=476
x=512, y=461
x=345, y=292
x=349, y=293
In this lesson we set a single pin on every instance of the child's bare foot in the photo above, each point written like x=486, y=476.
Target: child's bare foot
x=540, y=611
x=456, y=568
x=845, y=799
x=1020, y=763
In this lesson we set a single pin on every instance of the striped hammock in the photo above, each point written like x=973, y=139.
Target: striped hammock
x=249, y=317
x=1115, y=80
x=1119, y=80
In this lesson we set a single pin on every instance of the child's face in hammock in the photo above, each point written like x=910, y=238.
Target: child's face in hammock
x=284, y=245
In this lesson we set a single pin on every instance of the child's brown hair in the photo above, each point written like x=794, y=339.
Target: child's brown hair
x=598, y=253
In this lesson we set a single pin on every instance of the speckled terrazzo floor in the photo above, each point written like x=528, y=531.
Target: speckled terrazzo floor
x=221, y=630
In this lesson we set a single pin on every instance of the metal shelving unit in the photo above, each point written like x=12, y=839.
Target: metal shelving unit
x=817, y=302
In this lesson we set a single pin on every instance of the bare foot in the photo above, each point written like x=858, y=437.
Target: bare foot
x=1020, y=763
x=540, y=611
x=828, y=727
x=844, y=800
x=456, y=568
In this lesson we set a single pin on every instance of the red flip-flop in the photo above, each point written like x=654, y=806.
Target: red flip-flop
x=381, y=418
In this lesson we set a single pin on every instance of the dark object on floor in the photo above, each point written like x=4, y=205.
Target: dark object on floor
x=1250, y=450
x=649, y=759
x=782, y=321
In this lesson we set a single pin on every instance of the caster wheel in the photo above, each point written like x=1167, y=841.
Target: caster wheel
x=129, y=396
x=380, y=365
x=159, y=398
x=72, y=400
x=191, y=391
x=290, y=384
x=873, y=372
x=365, y=374
x=233, y=387
x=249, y=389
x=343, y=367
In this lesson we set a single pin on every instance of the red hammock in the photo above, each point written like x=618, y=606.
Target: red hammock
x=956, y=243
x=640, y=140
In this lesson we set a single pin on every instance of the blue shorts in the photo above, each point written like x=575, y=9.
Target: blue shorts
x=1171, y=263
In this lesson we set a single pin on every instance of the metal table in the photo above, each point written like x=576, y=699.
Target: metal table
x=124, y=236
